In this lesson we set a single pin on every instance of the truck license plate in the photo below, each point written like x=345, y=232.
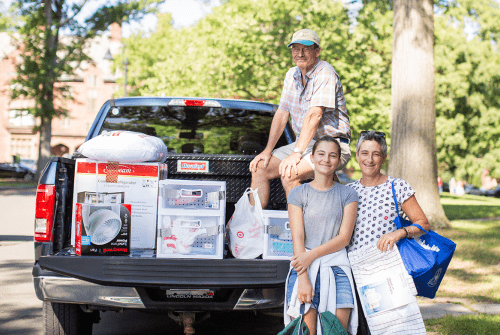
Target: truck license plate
x=190, y=294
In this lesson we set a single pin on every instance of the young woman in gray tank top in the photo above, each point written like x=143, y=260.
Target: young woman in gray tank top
x=322, y=216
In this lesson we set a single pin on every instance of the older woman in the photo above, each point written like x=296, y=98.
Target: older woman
x=376, y=209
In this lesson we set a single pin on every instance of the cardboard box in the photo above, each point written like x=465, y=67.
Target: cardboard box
x=277, y=235
x=102, y=229
x=132, y=183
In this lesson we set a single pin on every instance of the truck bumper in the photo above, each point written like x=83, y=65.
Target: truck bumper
x=50, y=286
x=76, y=291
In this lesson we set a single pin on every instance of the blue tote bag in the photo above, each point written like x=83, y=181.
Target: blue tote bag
x=427, y=265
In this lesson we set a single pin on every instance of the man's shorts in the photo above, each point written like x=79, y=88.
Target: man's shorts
x=287, y=150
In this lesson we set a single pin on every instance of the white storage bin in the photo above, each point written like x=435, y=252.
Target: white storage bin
x=192, y=194
x=188, y=236
x=277, y=235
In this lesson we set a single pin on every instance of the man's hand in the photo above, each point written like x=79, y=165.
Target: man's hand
x=301, y=262
x=263, y=156
x=387, y=241
x=288, y=164
x=305, y=291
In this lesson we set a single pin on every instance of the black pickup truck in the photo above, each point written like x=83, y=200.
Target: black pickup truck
x=75, y=289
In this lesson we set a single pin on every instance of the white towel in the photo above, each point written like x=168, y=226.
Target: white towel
x=328, y=292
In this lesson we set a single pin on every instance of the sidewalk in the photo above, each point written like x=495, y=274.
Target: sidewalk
x=440, y=307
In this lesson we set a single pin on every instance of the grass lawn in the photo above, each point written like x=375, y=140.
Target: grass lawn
x=470, y=206
x=11, y=182
x=474, y=272
x=467, y=324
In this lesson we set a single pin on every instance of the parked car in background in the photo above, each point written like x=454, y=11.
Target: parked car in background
x=493, y=193
x=29, y=164
x=16, y=170
x=474, y=190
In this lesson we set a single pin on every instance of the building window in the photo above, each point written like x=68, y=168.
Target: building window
x=21, y=147
x=66, y=121
x=21, y=118
x=91, y=101
x=92, y=80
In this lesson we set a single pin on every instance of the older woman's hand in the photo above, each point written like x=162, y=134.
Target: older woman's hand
x=387, y=241
x=301, y=262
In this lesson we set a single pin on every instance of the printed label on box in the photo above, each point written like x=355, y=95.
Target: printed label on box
x=102, y=229
x=135, y=184
x=192, y=166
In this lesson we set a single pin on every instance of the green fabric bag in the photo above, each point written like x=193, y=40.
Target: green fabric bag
x=329, y=323
x=296, y=327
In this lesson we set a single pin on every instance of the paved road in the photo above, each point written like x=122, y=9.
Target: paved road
x=21, y=311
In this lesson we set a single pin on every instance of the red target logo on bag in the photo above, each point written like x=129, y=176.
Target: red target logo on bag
x=240, y=234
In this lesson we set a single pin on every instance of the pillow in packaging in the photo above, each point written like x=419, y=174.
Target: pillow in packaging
x=124, y=147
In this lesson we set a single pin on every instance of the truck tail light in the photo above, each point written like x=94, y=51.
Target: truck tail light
x=194, y=103
x=44, y=214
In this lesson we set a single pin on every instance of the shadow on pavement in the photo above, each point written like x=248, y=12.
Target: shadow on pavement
x=137, y=323
x=16, y=238
x=21, y=321
x=18, y=191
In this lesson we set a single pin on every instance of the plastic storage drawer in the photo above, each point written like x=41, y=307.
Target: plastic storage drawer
x=190, y=236
x=192, y=194
x=277, y=235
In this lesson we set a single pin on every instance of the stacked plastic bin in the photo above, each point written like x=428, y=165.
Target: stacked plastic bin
x=277, y=235
x=191, y=216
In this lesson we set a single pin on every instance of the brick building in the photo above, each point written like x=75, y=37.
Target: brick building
x=90, y=87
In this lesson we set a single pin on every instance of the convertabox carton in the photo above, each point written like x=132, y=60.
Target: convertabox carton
x=102, y=229
x=136, y=184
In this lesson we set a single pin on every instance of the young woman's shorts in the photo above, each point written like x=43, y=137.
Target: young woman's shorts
x=344, y=293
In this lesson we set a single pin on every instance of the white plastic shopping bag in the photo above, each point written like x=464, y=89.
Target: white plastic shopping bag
x=124, y=147
x=246, y=227
x=183, y=234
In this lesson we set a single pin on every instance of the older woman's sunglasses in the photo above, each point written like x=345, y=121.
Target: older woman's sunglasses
x=375, y=133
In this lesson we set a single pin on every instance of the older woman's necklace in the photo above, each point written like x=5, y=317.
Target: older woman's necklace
x=375, y=182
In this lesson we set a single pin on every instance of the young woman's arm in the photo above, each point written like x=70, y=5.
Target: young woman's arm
x=305, y=291
x=301, y=261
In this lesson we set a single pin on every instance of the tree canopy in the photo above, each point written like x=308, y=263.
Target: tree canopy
x=239, y=51
x=45, y=56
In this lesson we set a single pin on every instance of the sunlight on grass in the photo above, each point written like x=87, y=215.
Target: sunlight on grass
x=470, y=206
x=474, y=272
x=464, y=325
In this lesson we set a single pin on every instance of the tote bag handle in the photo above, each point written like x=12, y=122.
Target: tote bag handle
x=399, y=220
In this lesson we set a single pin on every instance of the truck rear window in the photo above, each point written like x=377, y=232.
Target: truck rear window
x=211, y=130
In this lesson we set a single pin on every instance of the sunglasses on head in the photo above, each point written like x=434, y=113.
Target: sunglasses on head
x=375, y=133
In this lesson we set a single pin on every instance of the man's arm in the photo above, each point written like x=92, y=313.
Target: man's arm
x=278, y=124
x=309, y=127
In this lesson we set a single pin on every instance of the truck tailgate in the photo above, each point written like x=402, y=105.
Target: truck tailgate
x=154, y=272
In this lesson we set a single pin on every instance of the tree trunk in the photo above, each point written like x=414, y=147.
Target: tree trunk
x=413, y=129
x=46, y=99
x=44, y=148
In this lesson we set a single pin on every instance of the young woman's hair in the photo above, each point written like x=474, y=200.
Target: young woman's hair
x=327, y=139
x=372, y=135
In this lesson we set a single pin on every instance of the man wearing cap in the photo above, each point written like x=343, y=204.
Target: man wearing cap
x=314, y=99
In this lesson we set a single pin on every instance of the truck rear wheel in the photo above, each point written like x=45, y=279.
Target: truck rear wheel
x=66, y=319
